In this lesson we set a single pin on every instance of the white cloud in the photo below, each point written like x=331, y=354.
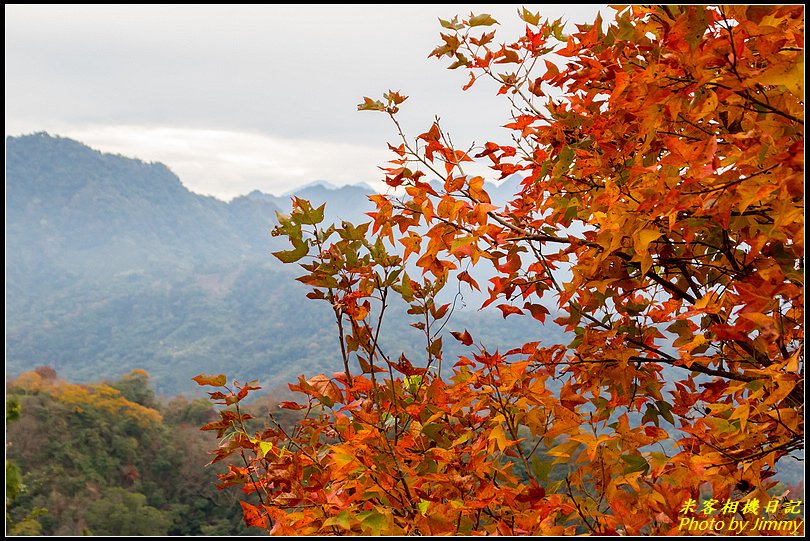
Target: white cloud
x=230, y=163
x=241, y=97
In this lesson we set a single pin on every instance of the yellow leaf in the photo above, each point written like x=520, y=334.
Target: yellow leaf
x=791, y=76
x=780, y=391
x=643, y=239
x=741, y=413
x=423, y=506
x=696, y=342
x=709, y=105
x=461, y=439
x=564, y=450
x=641, y=243
x=788, y=417
x=498, y=436
x=793, y=363
x=341, y=457
x=704, y=301
x=264, y=448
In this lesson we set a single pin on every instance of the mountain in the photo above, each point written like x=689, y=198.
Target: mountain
x=66, y=202
x=112, y=264
x=324, y=184
x=342, y=203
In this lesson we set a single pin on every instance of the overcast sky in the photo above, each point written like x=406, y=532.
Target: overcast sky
x=236, y=98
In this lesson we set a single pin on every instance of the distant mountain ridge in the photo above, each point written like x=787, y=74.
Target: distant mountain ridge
x=325, y=184
x=113, y=264
x=348, y=202
x=66, y=197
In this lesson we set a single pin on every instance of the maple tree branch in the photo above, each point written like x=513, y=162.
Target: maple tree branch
x=669, y=359
x=685, y=136
x=722, y=451
x=727, y=27
x=576, y=504
x=541, y=258
x=510, y=424
x=681, y=264
x=546, y=238
x=778, y=420
x=337, y=311
x=704, y=130
x=694, y=368
x=659, y=280
x=294, y=443
x=374, y=346
x=733, y=182
x=517, y=88
x=243, y=429
x=410, y=149
x=727, y=250
x=765, y=105
x=788, y=446
x=429, y=341
x=746, y=95
x=666, y=284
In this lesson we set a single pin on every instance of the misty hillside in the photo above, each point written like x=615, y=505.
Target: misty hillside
x=112, y=264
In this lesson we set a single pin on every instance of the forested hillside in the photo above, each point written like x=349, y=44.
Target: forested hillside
x=112, y=264
x=110, y=459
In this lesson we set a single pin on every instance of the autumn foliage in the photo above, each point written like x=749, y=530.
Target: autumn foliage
x=659, y=217
x=99, y=396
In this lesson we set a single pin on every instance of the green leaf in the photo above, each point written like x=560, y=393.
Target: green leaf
x=635, y=463
x=541, y=468
x=452, y=24
x=464, y=438
x=349, y=231
x=435, y=432
x=564, y=161
x=388, y=420
x=529, y=17
x=371, y=105
x=485, y=19
x=423, y=506
x=405, y=288
x=665, y=409
x=312, y=216
x=300, y=250
x=551, y=488
x=284, y=222
x=571, y=213
x=413, y=382
x=651, y=414
x=373, y=520
x=557, y=30
x=210, y=379
x=341, y=520
x=461, y=61
x=435, y=348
